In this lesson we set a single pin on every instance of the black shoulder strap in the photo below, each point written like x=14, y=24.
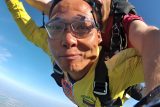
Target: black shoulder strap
x=58, y=74
x=101, y=83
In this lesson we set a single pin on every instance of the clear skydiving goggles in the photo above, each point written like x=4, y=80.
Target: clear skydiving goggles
x=78, y=28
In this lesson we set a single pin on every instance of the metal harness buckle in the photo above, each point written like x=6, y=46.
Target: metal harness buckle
x=57, y=69
x=100, y=88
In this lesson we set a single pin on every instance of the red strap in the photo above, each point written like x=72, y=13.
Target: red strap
x=127, y=19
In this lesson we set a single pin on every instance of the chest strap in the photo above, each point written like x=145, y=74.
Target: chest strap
x=101, y=83
x=58, y=74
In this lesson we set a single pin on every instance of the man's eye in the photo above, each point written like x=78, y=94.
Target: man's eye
x=81, y=27
x=56, y=27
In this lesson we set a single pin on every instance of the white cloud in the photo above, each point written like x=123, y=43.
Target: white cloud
x=4, y=54
x=6, y=101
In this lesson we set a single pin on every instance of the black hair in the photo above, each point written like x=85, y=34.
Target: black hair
x=52, y=6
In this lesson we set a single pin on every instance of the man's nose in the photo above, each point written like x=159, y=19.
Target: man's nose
x=69, y=40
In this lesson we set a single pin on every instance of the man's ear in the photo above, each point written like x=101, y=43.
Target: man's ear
x=99, y=36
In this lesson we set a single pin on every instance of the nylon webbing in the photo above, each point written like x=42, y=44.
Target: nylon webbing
x=102, y=80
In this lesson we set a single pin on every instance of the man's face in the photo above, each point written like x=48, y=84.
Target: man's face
x=74, y=52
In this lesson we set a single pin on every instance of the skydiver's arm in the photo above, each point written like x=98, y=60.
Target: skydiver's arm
x=42, y=5
x=146, y=39
x=28, y=27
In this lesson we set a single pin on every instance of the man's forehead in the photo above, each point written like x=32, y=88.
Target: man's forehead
x=76, y=5
x=78, y=17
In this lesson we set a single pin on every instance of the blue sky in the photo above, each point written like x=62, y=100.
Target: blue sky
x=27, y=65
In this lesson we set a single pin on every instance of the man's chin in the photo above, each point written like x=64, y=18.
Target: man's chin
x=76, y=66
x=73, y=68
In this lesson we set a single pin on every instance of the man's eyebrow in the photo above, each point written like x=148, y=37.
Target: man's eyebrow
x=78, y=17
x=62, y=19
x=81, y=17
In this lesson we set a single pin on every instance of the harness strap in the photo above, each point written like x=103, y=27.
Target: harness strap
x=101, y=83
x=58, y=74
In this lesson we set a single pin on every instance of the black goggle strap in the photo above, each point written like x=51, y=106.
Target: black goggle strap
x=96, y=6
x=96, y=23
x=43, y=20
